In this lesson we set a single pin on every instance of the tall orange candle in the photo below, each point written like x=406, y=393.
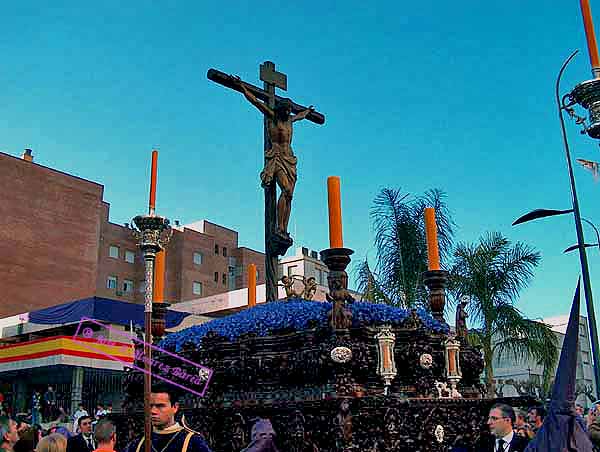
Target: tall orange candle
x=433, y=253
x=251, y=285
x=159, y=276
x=335, y=212
x=152, y=204
x=590, y=35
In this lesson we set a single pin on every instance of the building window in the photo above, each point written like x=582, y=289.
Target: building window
x=198, y=258
x=224, y=252
x=113, y=251
x=224, y=278
x=582, y=330
x=257, y=274
x=127, y=285
x=585, y=357
x=111, y=282
x=197, y=288
x=216, y=276
x=325, y=276
x=291, y=269
x=319, y=277
x=142, y=286
x=130, y=257
x=216, y=249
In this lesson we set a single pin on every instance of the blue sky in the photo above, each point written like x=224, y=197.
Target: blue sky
x=454, y=95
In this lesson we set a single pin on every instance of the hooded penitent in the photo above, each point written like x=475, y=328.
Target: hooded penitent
x=560, y=431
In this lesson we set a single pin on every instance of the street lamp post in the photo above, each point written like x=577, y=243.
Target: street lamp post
x=587, y=285
x=566, y=103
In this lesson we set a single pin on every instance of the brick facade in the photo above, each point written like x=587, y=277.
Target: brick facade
x=244, y=257
x=49, y=236
x=56, y=237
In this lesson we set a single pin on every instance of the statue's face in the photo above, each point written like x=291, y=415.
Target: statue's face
x=283, y=110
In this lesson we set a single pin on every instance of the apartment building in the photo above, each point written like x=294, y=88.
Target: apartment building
x=508, y=368
x=59, y=245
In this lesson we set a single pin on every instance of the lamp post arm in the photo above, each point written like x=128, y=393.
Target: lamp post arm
x=587, y=286
x=595, y=230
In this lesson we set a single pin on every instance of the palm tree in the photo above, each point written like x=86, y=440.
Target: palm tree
x=492, y=273
x=401, y=247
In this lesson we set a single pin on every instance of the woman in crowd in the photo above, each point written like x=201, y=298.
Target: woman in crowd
x=52, y=443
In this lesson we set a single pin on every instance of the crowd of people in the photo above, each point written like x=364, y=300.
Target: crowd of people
x=26, y=435
x=512, y=429
x=99, y=433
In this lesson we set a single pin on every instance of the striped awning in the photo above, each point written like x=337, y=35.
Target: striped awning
x=65, y=350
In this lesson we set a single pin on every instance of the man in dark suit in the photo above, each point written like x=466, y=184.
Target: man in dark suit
x=84, y=442
x=500, y=421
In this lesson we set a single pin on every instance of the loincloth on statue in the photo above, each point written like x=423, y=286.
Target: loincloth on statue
x=277, y=162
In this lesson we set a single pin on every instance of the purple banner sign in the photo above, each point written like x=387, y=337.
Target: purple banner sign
x=195, y=379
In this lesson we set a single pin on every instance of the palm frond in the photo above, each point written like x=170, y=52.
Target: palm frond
x=491, y=273
x=369, y=287
x=516, y=269
x=401, y=244
x=523, y=338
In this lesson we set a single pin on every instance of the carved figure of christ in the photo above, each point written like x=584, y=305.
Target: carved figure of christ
x=280, y=161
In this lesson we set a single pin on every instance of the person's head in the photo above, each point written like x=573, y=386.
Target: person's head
x=28, y=440
x=106, y=434
x=262, y=429
x=501, y=420
x=263, y=437
x=283, y=108
x=109, y=407
x=521, y=431
x=164, y=404
x=579, y=409
x=52, y=443
x=64, y=431
x=536, y=415
x=85, y=424
x=80, y=406
x=50, y=388
x=100, y=406
x=519, y=418
x=8, y=431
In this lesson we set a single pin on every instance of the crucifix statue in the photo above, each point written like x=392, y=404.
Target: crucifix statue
x=279, y=159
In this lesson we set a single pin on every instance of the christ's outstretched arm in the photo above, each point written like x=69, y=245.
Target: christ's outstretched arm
x=303, y=114
x=262, y=107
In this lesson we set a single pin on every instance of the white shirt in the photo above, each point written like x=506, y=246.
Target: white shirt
x=89, y=440
x=507, y=439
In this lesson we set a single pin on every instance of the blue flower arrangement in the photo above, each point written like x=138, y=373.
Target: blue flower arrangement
x=268, y=318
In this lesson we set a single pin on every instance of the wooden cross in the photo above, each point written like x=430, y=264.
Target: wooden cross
x=275, y=244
